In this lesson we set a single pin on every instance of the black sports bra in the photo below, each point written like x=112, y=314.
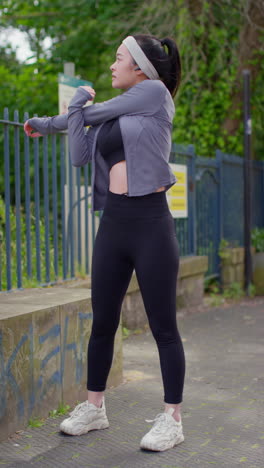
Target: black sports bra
x=110, y=142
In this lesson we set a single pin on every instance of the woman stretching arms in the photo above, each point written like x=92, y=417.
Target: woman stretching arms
x=128, y=144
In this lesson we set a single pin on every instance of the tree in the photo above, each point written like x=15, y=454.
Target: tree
x=250, y=56
x=216, y=40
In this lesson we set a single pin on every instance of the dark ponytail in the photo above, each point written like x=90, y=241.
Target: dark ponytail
x=167, y=62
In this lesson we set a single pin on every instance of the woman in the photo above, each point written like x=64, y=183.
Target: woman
x=128, y=143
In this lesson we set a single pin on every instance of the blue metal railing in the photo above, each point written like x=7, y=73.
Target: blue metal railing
x=215, y=203
x=7, y=201
x=47, y=230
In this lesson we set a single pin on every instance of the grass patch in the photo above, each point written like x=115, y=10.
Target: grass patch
x=35, y=422
x=62, y=409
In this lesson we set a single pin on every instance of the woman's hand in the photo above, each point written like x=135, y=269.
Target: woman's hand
x=89, y=90
x=28, y=130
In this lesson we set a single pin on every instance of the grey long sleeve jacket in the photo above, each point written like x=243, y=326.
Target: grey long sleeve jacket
x=145, y=114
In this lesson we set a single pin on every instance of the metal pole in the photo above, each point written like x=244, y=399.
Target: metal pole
x=69, y=70
x=192, y=202
x=247, y=180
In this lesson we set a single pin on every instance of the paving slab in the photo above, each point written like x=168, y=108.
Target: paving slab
x=223, y=408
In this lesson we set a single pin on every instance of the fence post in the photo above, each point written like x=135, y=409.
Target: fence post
x=63, y=156
x=7, y=201
x=18, y=201
x=27, y=200
x=37, y=206
x=262, y=162
x=192, y=202
x=46, y=208
x=55, y=206
x=219, y=163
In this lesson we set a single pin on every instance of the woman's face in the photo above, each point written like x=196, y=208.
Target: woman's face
x=123, y=70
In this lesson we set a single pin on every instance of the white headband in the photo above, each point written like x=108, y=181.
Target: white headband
x=140, y=58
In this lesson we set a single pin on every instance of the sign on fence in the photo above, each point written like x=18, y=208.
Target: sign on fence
x=177, y=194
x=67, y=88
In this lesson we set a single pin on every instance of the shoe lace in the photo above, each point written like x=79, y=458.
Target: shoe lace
x=78, y=409
x=160, y=422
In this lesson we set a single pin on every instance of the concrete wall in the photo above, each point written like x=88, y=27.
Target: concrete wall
x=43, y=343
x=190, y=290
x=43, y=349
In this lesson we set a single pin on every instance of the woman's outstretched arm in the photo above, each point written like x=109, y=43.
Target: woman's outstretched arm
x=144, y=98
x=50, y=125
x=46, y=125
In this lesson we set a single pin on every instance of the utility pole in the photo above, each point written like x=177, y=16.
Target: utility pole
x=247, y=180
x=68, y=84
x=69, y=70
x=71, y=192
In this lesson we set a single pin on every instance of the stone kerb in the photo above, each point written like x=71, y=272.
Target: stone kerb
x=43, y=350
x=232, y=266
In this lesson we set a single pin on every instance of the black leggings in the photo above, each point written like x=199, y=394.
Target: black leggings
x=136, y=233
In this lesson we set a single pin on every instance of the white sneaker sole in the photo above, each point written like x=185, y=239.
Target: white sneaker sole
x=95, y=425
x=153, y=447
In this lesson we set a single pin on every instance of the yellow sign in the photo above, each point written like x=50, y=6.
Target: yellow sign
x=177, y=194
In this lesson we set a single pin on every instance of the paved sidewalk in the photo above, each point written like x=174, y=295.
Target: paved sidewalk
x=223, y=410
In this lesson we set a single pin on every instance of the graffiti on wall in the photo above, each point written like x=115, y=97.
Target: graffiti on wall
x=38, y=385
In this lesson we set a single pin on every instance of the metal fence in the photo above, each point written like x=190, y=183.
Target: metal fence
x=216, y=203
x=47, y=230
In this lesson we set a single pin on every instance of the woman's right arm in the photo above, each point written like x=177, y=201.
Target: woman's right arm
x=46, y=125
x=50, y=125
x=144, y=98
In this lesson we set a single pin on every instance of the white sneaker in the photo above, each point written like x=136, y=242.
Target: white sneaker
x=84, y=418
x=165, y=433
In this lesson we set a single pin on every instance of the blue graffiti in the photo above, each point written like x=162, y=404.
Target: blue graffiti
x=31, y=367
x=53, y=332
x=72, y=347
x=2, y=380
x=38, y=386
x=49, y=356
x=8, y=377
x=56, y=378
x=79, y=366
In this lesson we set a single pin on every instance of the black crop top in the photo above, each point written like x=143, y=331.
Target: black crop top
x=110, y=142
